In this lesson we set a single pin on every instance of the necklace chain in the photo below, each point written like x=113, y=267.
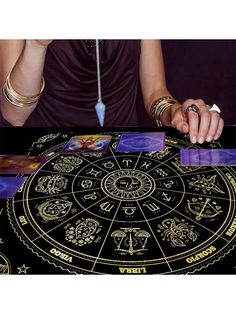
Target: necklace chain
x=91, y=43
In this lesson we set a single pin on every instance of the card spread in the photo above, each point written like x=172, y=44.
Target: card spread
x=141, y=142
x=88, y=143
x=208, y=157
x=14, y=164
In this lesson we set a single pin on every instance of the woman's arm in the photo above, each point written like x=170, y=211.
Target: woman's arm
x=25, y=60
x=204, y=125
x=152, y=76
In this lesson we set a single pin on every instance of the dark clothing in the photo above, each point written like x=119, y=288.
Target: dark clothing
x=71, y=92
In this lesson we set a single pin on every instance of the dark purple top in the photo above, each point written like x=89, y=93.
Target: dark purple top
x=71, y=93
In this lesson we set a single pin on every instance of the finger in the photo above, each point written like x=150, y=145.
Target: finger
x=178, y=121
x=214, y=124
x=193, y=121
x=182, y=126
x=186, y=117
x=205, y=122
x=220, y=129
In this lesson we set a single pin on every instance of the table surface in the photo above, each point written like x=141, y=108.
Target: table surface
x=70, y=216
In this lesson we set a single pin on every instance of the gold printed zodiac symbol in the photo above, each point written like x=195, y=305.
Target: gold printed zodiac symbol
x=51, y=184
x=203, y=208
x=161, y=172
x=86, y=184
x=84, y=232
x=152, y=207
x=107, y=206
x=129, y=210
x=92, y=196
x=67, y=163
x=130, y=240
x=108, y=165
x=94, y=172
x=178, y=234
x=55, y=209
x=169, y=184
x=145, y=165
x=127, y=162
x=207, y=184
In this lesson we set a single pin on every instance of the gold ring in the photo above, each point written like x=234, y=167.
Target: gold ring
x=193, y=108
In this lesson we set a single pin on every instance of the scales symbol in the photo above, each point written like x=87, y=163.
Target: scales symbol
x=130, y=240
x=203, y=208
x=129, y=210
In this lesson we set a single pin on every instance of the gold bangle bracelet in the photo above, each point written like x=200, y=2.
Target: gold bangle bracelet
x=160, y=110
x=18, y=100
x=159, y=106
x=17, y=95
x=157, y=102
x=12, y=100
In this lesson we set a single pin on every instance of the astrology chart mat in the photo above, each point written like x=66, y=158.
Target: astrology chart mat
x=117, y=213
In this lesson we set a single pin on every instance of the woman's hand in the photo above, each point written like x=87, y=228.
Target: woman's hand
x=203, y=125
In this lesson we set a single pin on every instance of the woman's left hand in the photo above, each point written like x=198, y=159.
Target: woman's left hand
x=202, y=125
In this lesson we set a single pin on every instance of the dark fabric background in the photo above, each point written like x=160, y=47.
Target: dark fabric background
x=203, y=69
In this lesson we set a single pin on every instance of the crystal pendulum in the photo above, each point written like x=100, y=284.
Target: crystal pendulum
x=99, y=107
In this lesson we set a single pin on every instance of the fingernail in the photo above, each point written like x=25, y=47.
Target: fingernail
x=194, y=140
x=201, y=140
x=209, y=138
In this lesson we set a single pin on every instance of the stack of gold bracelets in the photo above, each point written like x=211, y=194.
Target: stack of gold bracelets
x=18, y=100
x=159, y=106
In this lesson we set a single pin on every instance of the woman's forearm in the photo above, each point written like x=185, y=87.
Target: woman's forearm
x=26, y=77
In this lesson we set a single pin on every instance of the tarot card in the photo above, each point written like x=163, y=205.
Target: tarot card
x=14, y=164
x=10, y=185
x=141, y=142
x=208, y=157
x=88, y=143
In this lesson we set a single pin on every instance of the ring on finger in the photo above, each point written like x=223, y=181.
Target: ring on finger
x=193, y=108
x=215, y=108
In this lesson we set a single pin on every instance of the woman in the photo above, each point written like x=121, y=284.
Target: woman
x=70, y=94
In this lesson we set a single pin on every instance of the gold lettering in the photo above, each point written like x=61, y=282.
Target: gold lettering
x=232, y=181
x=23, y=220
x=133, y=270
x=200, y=255
x=232, y=228
x=61, y=255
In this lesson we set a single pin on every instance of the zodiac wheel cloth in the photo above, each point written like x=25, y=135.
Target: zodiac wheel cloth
x=122, y=213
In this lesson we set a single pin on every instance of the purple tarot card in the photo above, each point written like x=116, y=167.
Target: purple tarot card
x=10, y=185
x=141, y=142
x=208, y=157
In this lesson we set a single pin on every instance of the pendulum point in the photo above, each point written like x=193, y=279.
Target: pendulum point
x=100, y=110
